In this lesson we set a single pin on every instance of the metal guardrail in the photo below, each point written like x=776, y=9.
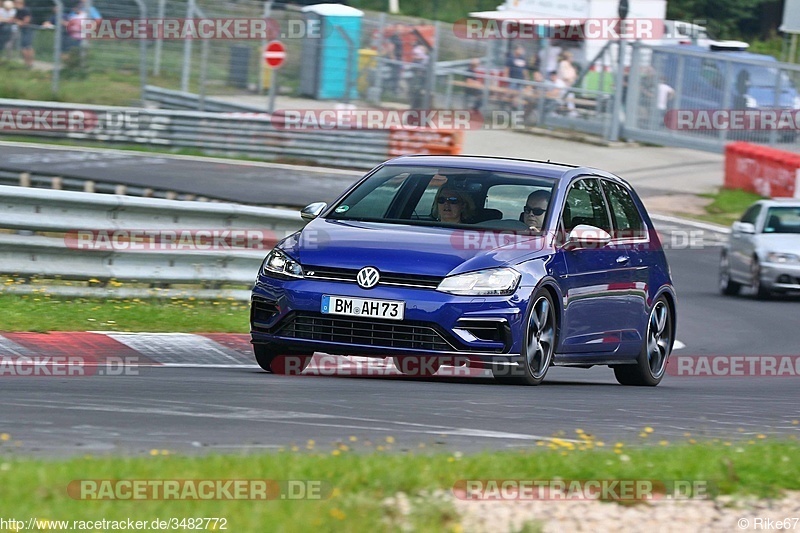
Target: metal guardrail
x=244, y=133
x=180, y=100
x=40, y=237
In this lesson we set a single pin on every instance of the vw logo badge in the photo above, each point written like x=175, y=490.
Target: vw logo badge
x=368, y=277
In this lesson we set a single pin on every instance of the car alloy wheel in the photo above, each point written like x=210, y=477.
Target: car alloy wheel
x=727, y=286
x=758, y=288
x=539, y=345
x=651, y=364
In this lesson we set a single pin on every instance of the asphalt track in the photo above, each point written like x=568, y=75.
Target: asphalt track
x=227, y=180
x=225, y=404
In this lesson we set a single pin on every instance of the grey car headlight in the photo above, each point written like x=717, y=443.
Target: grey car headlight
x=491, y=282
x=775, y=257
x=278, y=264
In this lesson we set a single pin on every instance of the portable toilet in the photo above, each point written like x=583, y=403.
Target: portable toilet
x=330, y=63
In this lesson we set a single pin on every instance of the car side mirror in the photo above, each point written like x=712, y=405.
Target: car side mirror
x=312, y=211
x=744, y=227
x=585, y=236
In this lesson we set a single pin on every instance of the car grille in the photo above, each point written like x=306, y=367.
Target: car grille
x=387, y=278
x=378, y=333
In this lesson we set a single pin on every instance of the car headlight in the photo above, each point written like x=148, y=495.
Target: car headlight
x=775, y=257
x=492, y=282
x=278, y=264
x=749, y=101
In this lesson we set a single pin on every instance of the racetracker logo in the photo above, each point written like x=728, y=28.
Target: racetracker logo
x=577, y=29
x=731, y=366
x=47, y=120
x=732, y=119
x=197, y=489
x=388, y=119
x=575, y=490
x=68, y=366
x=171, y=240
x=237, y=29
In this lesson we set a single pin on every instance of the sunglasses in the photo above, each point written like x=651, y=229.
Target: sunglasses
x=452, y=200
x=534, y=210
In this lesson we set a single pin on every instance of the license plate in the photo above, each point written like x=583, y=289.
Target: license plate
x=342, y=305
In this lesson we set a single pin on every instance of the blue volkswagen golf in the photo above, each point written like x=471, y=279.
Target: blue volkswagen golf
x=506, y=264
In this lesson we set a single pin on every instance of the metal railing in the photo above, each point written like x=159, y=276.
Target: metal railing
x=246, y=133
x=106, y=240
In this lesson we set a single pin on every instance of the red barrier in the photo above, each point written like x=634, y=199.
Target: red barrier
x=762, y=170
x=433, y=142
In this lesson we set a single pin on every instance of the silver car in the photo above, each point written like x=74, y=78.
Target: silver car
x=764, y=250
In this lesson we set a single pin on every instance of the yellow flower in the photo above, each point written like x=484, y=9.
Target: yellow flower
x=336, y=452
x=353, y=438
x=648, y=429
x=663, y=442
x=761, y=436
x=337, y=514
x=390, y=439
x=153, y=452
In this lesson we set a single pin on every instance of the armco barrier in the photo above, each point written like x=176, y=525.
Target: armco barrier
x=236, y=133
x=762, y=170
x=41, y=235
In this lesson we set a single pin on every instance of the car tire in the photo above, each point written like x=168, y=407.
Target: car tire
x=759, y=291
x=727, y=286
x=280, y=361
x=651, y=364
x=417, y=366
x=538, y=347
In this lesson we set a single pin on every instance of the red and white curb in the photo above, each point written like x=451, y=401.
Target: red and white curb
x=185, y=350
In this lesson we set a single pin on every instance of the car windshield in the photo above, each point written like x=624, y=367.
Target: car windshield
x=783, y=220
x=447, y=197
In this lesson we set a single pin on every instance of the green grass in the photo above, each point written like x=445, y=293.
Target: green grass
x=43, y=312
x=356, y=485
x=728, y=205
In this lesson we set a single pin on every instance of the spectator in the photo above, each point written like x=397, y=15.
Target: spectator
x=548, y=57
x=419, y=74
x=566, y=69
x=555, y=89
x=7, y=13
x=515, y=67
x=22, y=18
x=664, y=96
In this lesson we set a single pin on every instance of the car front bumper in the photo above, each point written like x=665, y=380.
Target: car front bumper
x=287, y=314
x=781, y=276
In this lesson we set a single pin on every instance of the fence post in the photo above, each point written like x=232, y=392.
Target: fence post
x=773, y=133
x=614, y=136
x=57, y=45
x=632, y=94
x=187, y=52
x=142, y=54
x=261, y=64
x=432, y=59
x=159, y=41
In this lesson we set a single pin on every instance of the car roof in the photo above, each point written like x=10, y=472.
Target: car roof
x=545, y=169
x=782, y=202
x=530, y=167
x=723, y=54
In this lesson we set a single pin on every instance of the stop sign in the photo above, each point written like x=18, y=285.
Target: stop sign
x=274, y=54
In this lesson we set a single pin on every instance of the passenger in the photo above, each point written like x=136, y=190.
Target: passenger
x=534, y=210
x=453, y=206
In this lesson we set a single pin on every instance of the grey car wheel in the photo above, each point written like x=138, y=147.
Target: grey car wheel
x=727, y=286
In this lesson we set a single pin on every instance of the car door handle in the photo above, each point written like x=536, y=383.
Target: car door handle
x=621, y=260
